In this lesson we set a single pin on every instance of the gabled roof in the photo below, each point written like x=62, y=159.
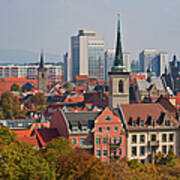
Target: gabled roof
x=29, y=139
x=143, y=111
x=144, y=85
x=46, y=134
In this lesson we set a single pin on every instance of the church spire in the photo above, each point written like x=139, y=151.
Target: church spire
x=118, y=61
x=41, y=60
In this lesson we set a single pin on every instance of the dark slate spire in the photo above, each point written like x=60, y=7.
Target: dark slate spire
x=41, y=60
x=175, y=61
x=118, y=61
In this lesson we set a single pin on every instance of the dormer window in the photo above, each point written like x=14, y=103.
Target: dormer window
x=133, y=124
x=141, y=124
x=168, y=123
x=108, y=118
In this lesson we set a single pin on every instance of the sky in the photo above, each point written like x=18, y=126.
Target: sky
x=35, y=24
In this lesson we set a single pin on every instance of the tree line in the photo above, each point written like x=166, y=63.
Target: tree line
x=59, y=160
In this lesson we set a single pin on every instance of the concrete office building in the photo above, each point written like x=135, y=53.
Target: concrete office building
x=87, y=53
x=145, y=58
x=30, y=71
x=159, y=63
x=67, y=67
x=109, y=60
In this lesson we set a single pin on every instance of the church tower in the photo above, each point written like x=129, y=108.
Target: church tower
x=118, y=77
x=42, y=76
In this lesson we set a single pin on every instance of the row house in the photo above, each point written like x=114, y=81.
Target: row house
x=109, y=136
x=150, y=129
x=100, y=133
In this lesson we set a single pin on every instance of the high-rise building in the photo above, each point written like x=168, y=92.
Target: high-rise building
x=109, y=61
x=87, y=54
x=118, y=77
x=67, y=67
x=159, y=63
x=145, y=58
x=42, y=76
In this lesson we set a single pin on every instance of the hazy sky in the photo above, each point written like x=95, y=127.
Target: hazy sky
x=35, y=24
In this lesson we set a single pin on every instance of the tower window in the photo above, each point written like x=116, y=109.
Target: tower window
x=121, y=86
x=42, y=75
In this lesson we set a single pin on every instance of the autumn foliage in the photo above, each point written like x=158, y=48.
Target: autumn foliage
x=59, y=161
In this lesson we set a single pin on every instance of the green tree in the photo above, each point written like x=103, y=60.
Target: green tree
x=7, y=103
x=55, y=149
x=21, y=161
x=38, y=99
x=10, y=106
x=7, y=136
x=68, y=86
x=16, y=87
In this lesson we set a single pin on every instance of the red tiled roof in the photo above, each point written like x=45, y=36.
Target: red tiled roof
x=143, y=111
x=74, y=99
x=6, y=83
x=45, y=135
x=82, y=77
x=29, y=139
x=132, y=77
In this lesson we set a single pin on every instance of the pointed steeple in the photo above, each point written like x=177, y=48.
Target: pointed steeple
x=41, y=60
x=118, y=61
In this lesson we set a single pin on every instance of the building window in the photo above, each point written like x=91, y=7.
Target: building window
x=107, y=128
x=120, y=139
x=120, y=151
x=98, y=153
x=133, y=124
x=116, y=128
x=134, y=151
x=171, y=137
x=164, y=149
x=142, y=138
x=98, y=140
x=74, y=141
x=114, y=152
x=121, y=86
x=114, y=139
x=141, y=124
x=99, y=129
x=108, y=118
x=164, y=138
x=153, y=149
x=105, y=140
x=153, y=137
x=105, y=152
x=82, y=141
x=142, y=150
x=171, y=147
x=134, y=139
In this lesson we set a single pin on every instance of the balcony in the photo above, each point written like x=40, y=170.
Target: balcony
x=153, y=143
x=114, y=145
x=86, y=146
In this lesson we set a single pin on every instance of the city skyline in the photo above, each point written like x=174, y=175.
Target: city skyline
x=49, y=25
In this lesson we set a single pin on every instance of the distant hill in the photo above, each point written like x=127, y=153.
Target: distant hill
x=21, y=56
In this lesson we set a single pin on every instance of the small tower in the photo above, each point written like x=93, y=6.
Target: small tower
x=118, y=77
x=42, y=76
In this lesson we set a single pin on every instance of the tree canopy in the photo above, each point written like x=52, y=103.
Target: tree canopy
x=10, y=106
x=16, y=87
x=38, y=99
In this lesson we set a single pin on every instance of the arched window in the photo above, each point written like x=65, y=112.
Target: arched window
x=121, y=86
